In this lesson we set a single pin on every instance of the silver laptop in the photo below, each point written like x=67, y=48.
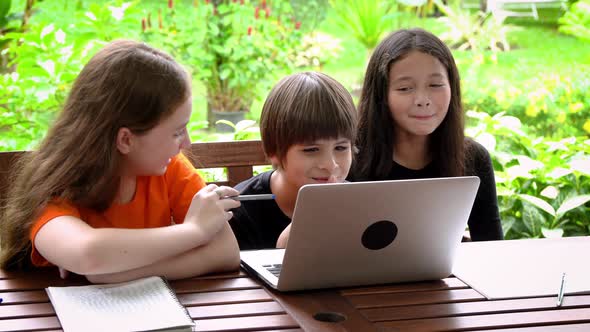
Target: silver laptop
x=363, y=233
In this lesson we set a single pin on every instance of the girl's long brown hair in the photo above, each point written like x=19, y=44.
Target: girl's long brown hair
x=126, y=84
x=376, y=130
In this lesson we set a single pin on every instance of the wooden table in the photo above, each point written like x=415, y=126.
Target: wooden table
x=236, y=302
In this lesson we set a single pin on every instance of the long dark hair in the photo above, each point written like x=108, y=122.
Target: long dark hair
x=375, y=138
x=126, y=84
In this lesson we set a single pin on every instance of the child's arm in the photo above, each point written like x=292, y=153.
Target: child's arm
x=220, y=254
x=70, y=243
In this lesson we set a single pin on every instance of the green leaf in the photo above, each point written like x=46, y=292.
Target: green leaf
x=552, y=233
x=4, y=7
x=244, y=124
x=224, y=74
x=572, y=203
x=229, y=123
x=539, y=203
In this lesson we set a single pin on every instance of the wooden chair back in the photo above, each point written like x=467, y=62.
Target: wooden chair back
x=238, y=157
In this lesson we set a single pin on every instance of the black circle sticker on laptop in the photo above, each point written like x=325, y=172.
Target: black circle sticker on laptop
x=379, y=235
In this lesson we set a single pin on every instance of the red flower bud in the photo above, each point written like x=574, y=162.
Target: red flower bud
x=170, y=4
x=249, y=31
x=257, y=13
x=297, y=25
x=160, y=25
x=267, y=12
x=263, y=4
x=241, y=2
x=215, y=11
x=143, y=24
x=206, y=2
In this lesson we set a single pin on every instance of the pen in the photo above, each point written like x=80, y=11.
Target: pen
x=561, y=288
x=252, y=197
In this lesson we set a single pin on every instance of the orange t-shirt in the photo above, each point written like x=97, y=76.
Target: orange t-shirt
x=158, y=201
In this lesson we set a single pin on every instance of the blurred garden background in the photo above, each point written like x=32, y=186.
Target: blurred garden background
x=525, y=75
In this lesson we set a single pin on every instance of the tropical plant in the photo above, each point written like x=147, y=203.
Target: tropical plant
x=576, y=21
x=543, y=185
x=233, y=47
x=472, y=31
x=367, y=21
x=43, y=64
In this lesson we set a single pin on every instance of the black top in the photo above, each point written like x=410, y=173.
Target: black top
x=484, y=220
x=258, y=224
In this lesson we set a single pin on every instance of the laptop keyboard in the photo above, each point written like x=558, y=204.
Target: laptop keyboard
x=275, y=269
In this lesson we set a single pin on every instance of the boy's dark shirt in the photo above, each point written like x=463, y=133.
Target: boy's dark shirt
x=258, y=224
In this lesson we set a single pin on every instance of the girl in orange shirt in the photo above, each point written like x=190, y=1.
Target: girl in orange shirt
x=108, y=194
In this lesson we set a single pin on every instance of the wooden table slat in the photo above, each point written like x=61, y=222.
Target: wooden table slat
x=584, y=327
x=224, y=297
x=235, y=310
x=476, y=322
x=30, y=324
x=412, y=298
x=246, y=323
x=37, y=296
x=209, y=285
x=39, y=283
x=470, y=308
x=26, y=310
x=304, y=306
x=444, y=284
x=222, y=324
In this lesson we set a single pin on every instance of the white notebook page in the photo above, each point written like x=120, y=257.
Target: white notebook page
x=144, y=304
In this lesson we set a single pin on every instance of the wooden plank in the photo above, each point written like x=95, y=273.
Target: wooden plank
x=584, y=327
x=246, y=323
x=238, y=174
x=10, y=274
x=509, y=320
x=304, y=307
x=36, y=282
x=448, y=283
x=227, y=154
x=470, y=308
x=413, y=298
x=235, y=310
x=208, y=285
x=26, y=310
x=281, y=321
x=30, y=324
x=224, y=297
x=24, y=297
x=232, y=274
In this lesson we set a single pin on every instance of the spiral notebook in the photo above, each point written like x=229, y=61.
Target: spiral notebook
x=147, y=304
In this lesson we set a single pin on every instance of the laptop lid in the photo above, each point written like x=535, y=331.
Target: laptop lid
x=362, y=233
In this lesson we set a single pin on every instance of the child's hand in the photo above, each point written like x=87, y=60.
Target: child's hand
x=208, y=211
